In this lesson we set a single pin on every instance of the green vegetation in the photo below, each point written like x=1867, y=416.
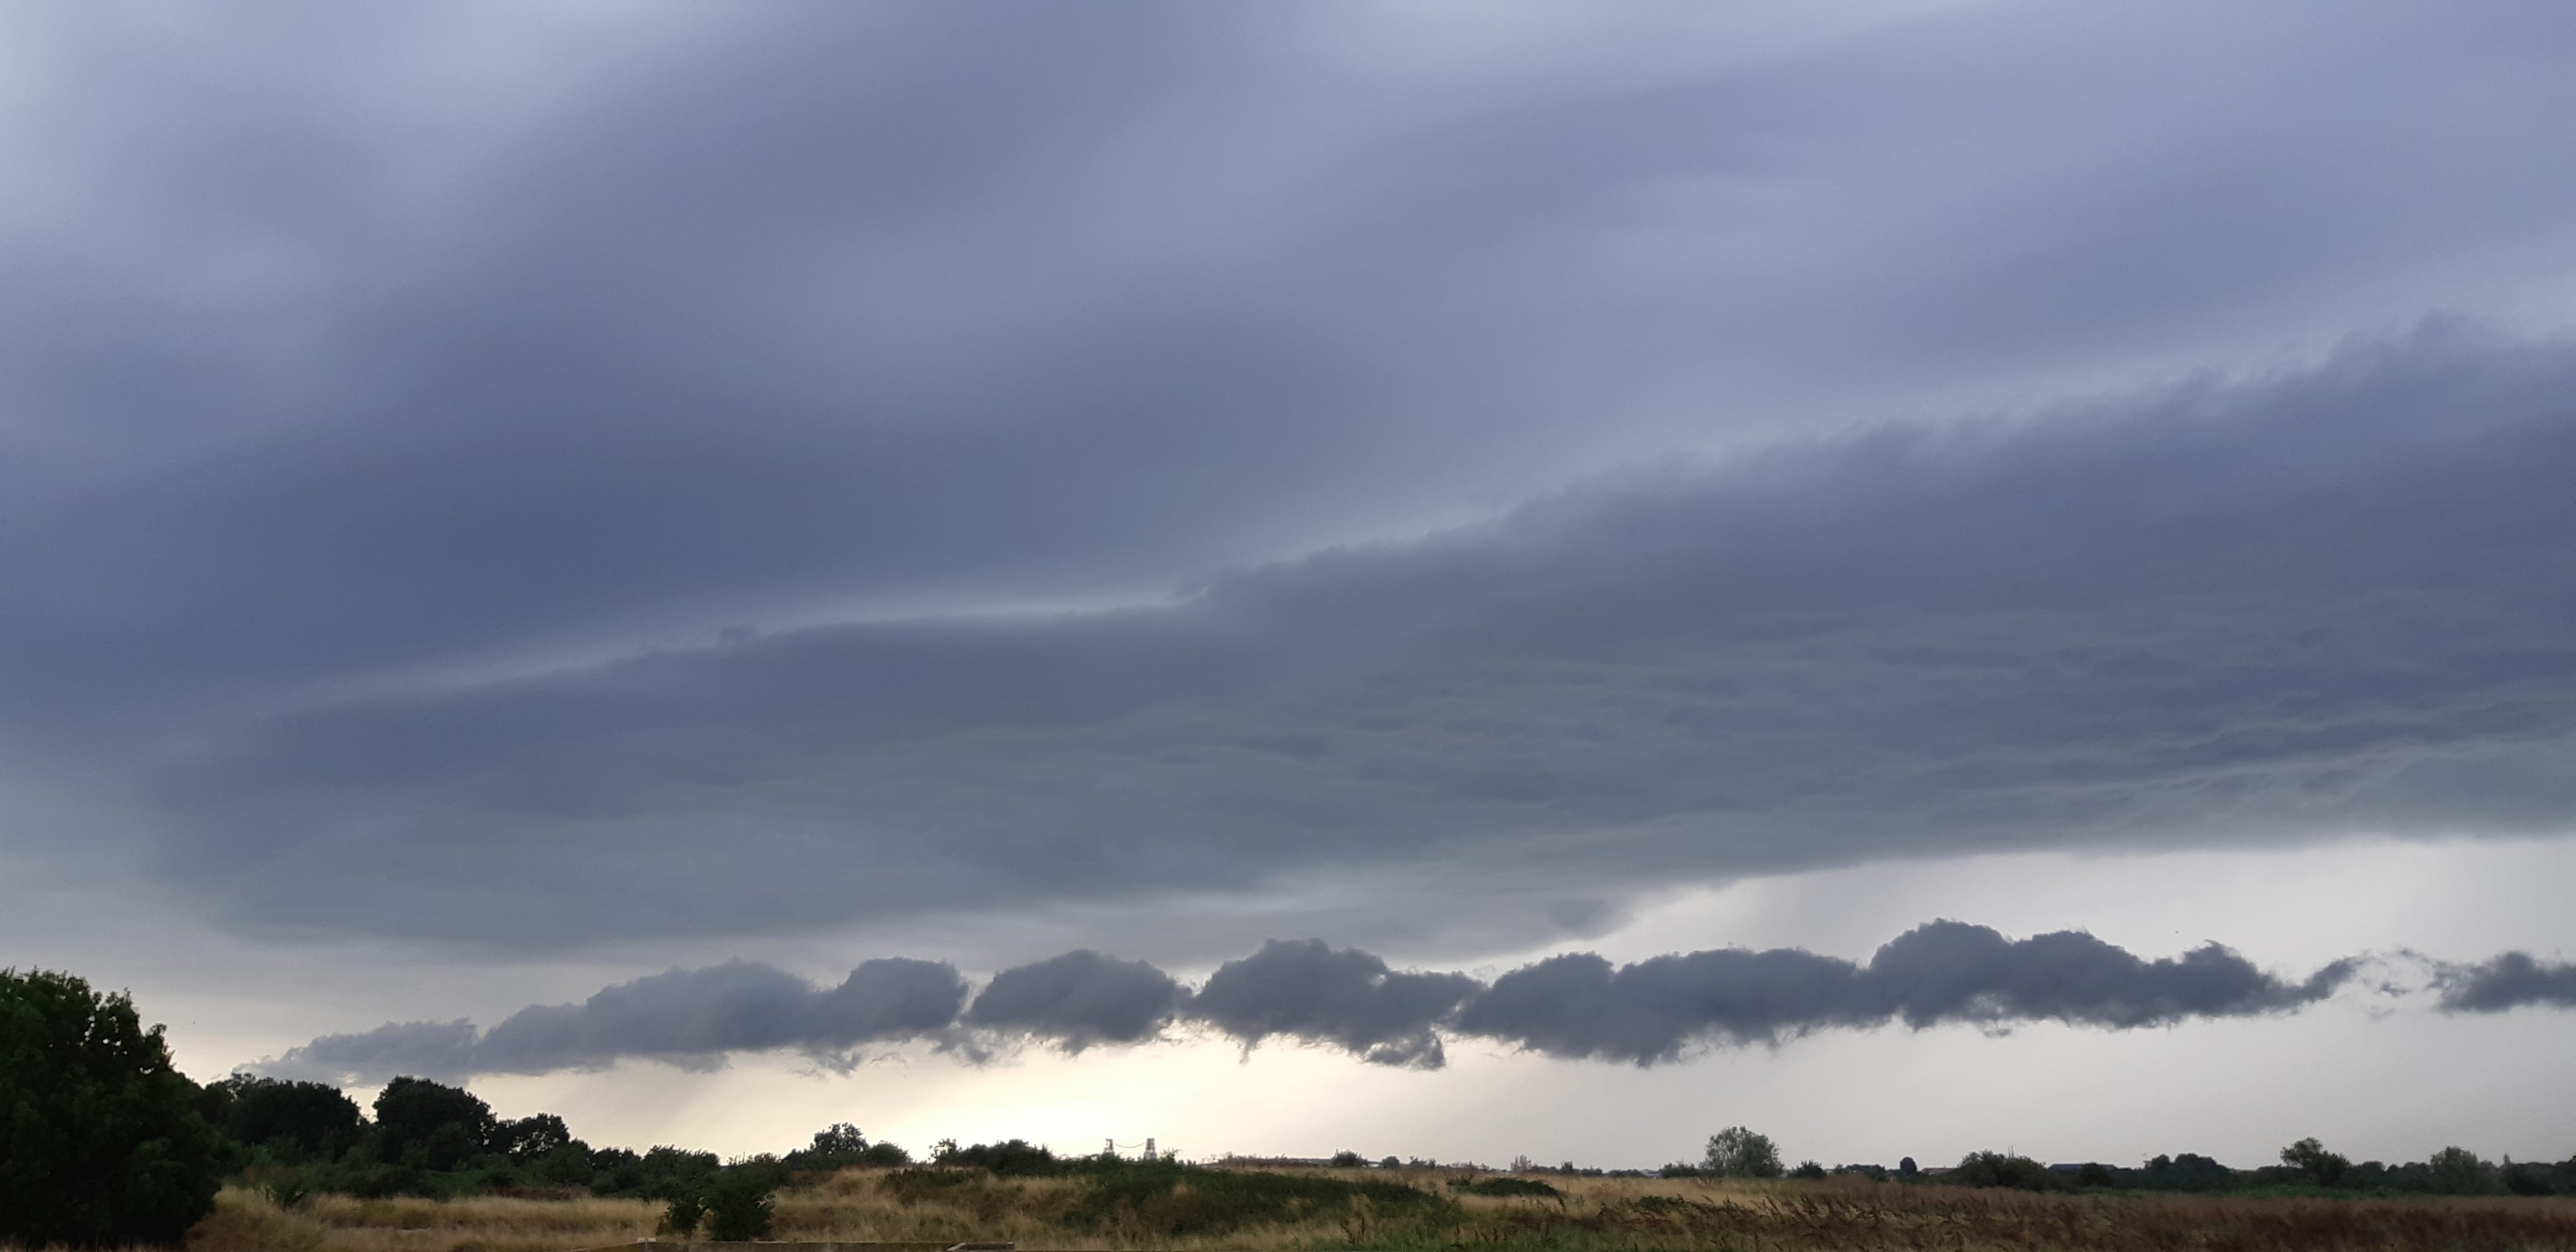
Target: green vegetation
x=1505, y=1186
x=1186, y=1201
x=1737, y=1152
x=100, y=1140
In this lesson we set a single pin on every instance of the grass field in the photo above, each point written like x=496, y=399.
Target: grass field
x=1329, y=1209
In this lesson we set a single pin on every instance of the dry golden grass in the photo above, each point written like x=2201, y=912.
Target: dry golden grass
x=1593, y=1215
x=247, y=1221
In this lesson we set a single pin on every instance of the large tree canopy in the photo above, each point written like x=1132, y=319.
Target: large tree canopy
x=100, y=1144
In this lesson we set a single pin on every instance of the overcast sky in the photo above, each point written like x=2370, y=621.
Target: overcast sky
x=1306, y=573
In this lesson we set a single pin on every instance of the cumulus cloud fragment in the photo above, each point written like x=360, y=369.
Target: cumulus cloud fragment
x=1342, y=996
x=1579, y=1005
x=691, y=1018
x=1952, y=971
x=2511, y=980
x=1079, y=999
x=443, y=1050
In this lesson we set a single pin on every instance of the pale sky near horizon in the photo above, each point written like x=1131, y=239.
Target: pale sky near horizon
x=542, y=537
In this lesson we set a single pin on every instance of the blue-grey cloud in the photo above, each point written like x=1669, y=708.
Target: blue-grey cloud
x=2511, y=980
x=686, y=1017
x=441, y=1050
x=1077, y=1000
x=382, y=469
x=2271, y=609
x=1581, y=1006
x=1575, y=1006
x=1341, y=996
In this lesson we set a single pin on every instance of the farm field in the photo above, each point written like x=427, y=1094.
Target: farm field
x=1340, y=1210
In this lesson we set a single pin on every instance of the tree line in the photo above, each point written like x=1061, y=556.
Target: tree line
x=2307, y=1165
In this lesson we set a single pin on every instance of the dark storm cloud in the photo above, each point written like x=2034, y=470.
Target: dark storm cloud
x=2271, y=609
x=688, y=1017
x=1580, y=1006
x=1573, y=1007
x=2512, y=980
x=443, y=1050
x=1949, y=971
x=396, y=405
x=1077, y=1000
x=1340, y=996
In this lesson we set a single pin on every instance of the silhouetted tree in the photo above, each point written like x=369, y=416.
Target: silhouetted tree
x=2000, y=1169
x=293, y=1121
x=2310, y=1157
x=100, y=1140
x=841, y=1145
x=530, y=1138
x=432, y=1125
x=2458, y=1171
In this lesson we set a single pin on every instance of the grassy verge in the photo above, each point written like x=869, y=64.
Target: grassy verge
x=1206, y=1210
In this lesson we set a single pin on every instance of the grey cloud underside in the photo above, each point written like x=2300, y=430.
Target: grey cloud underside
x=350, y=365
x=1577, y=1006
x=2510, y=981
x=1078, y=999
x=2293, y=607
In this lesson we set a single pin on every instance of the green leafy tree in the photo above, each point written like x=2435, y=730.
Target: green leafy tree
x=531, y=1138
x=2000, y=1169
x=1738, y=1152
x=2458, y=1171
x=431, y=1124
x=101, y=1143
x=2310, y=1157
x=293, y=1121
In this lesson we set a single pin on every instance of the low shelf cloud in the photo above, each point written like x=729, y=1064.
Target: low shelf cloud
x=1576, y=1006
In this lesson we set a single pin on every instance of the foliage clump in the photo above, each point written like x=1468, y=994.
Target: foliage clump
x=1739, y=1152
x=101, y=1143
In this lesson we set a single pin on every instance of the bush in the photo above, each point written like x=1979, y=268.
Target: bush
x=740, y=1204
x=682, y=1215
x=1017, y=1156
x=2183, y=1171
x=100, y=1139
x=1998, y=1169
